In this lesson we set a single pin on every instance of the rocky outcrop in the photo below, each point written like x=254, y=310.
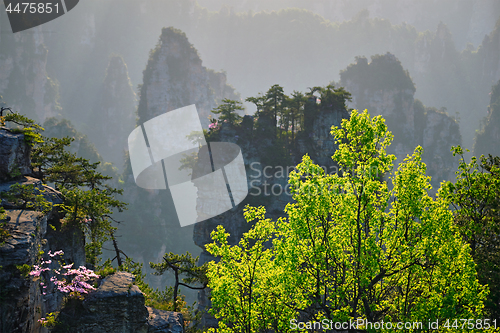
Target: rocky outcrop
x=317, y=141
x=22, y=302
x=385, y=88
x=27, y=237
x=117, y=306
x=160, y=321
x=175, y=77
x=487, y=139
x=440, y=133
x=21, y=298
x=114, y=114
x=14, y=155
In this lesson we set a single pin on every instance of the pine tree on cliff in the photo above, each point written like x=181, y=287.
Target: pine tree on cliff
x=228, y=111
x=275, y=99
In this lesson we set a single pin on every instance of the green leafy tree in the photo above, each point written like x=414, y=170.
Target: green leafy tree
x=350, y=248
x=228, y=111
x=476, y=199
x=249, y=287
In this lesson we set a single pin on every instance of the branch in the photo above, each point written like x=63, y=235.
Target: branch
x=197, y=288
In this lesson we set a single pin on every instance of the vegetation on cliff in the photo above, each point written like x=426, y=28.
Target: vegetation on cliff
x=349, y=248
x=475, y=197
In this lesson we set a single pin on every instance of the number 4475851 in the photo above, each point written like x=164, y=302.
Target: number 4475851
x=470, y=324
x=33, y=8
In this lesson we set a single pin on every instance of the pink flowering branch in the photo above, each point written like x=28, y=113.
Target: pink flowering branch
x=66, y=279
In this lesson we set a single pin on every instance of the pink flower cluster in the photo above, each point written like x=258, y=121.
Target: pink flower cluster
x=66, y=279
x=214, y=125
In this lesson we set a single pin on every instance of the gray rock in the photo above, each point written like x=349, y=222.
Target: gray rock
x=160, y=321
x=48, y=192
x=23, y=303
x=116, y=306
x=175, y=77
x=14, y=155
x=26, y=227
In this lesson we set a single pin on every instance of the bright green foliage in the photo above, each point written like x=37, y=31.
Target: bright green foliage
x=50, y=321
x=228, y=110
x=249, y=289
x=350, y=248
x=476, y=198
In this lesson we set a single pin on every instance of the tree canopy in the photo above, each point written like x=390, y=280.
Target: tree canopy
x=350, y=248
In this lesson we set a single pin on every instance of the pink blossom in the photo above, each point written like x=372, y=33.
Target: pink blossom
x=60, y=252
x=74, y=286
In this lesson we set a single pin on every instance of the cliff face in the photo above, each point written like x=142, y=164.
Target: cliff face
x=385, y=88
x=22, y=302
x=486, y=141
x=114, y=115
x=117, y=306
x=24, y=83
x=175, y=77
x=14, y=155
x=27, y=236
x=441, y=132
x=442, y=78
